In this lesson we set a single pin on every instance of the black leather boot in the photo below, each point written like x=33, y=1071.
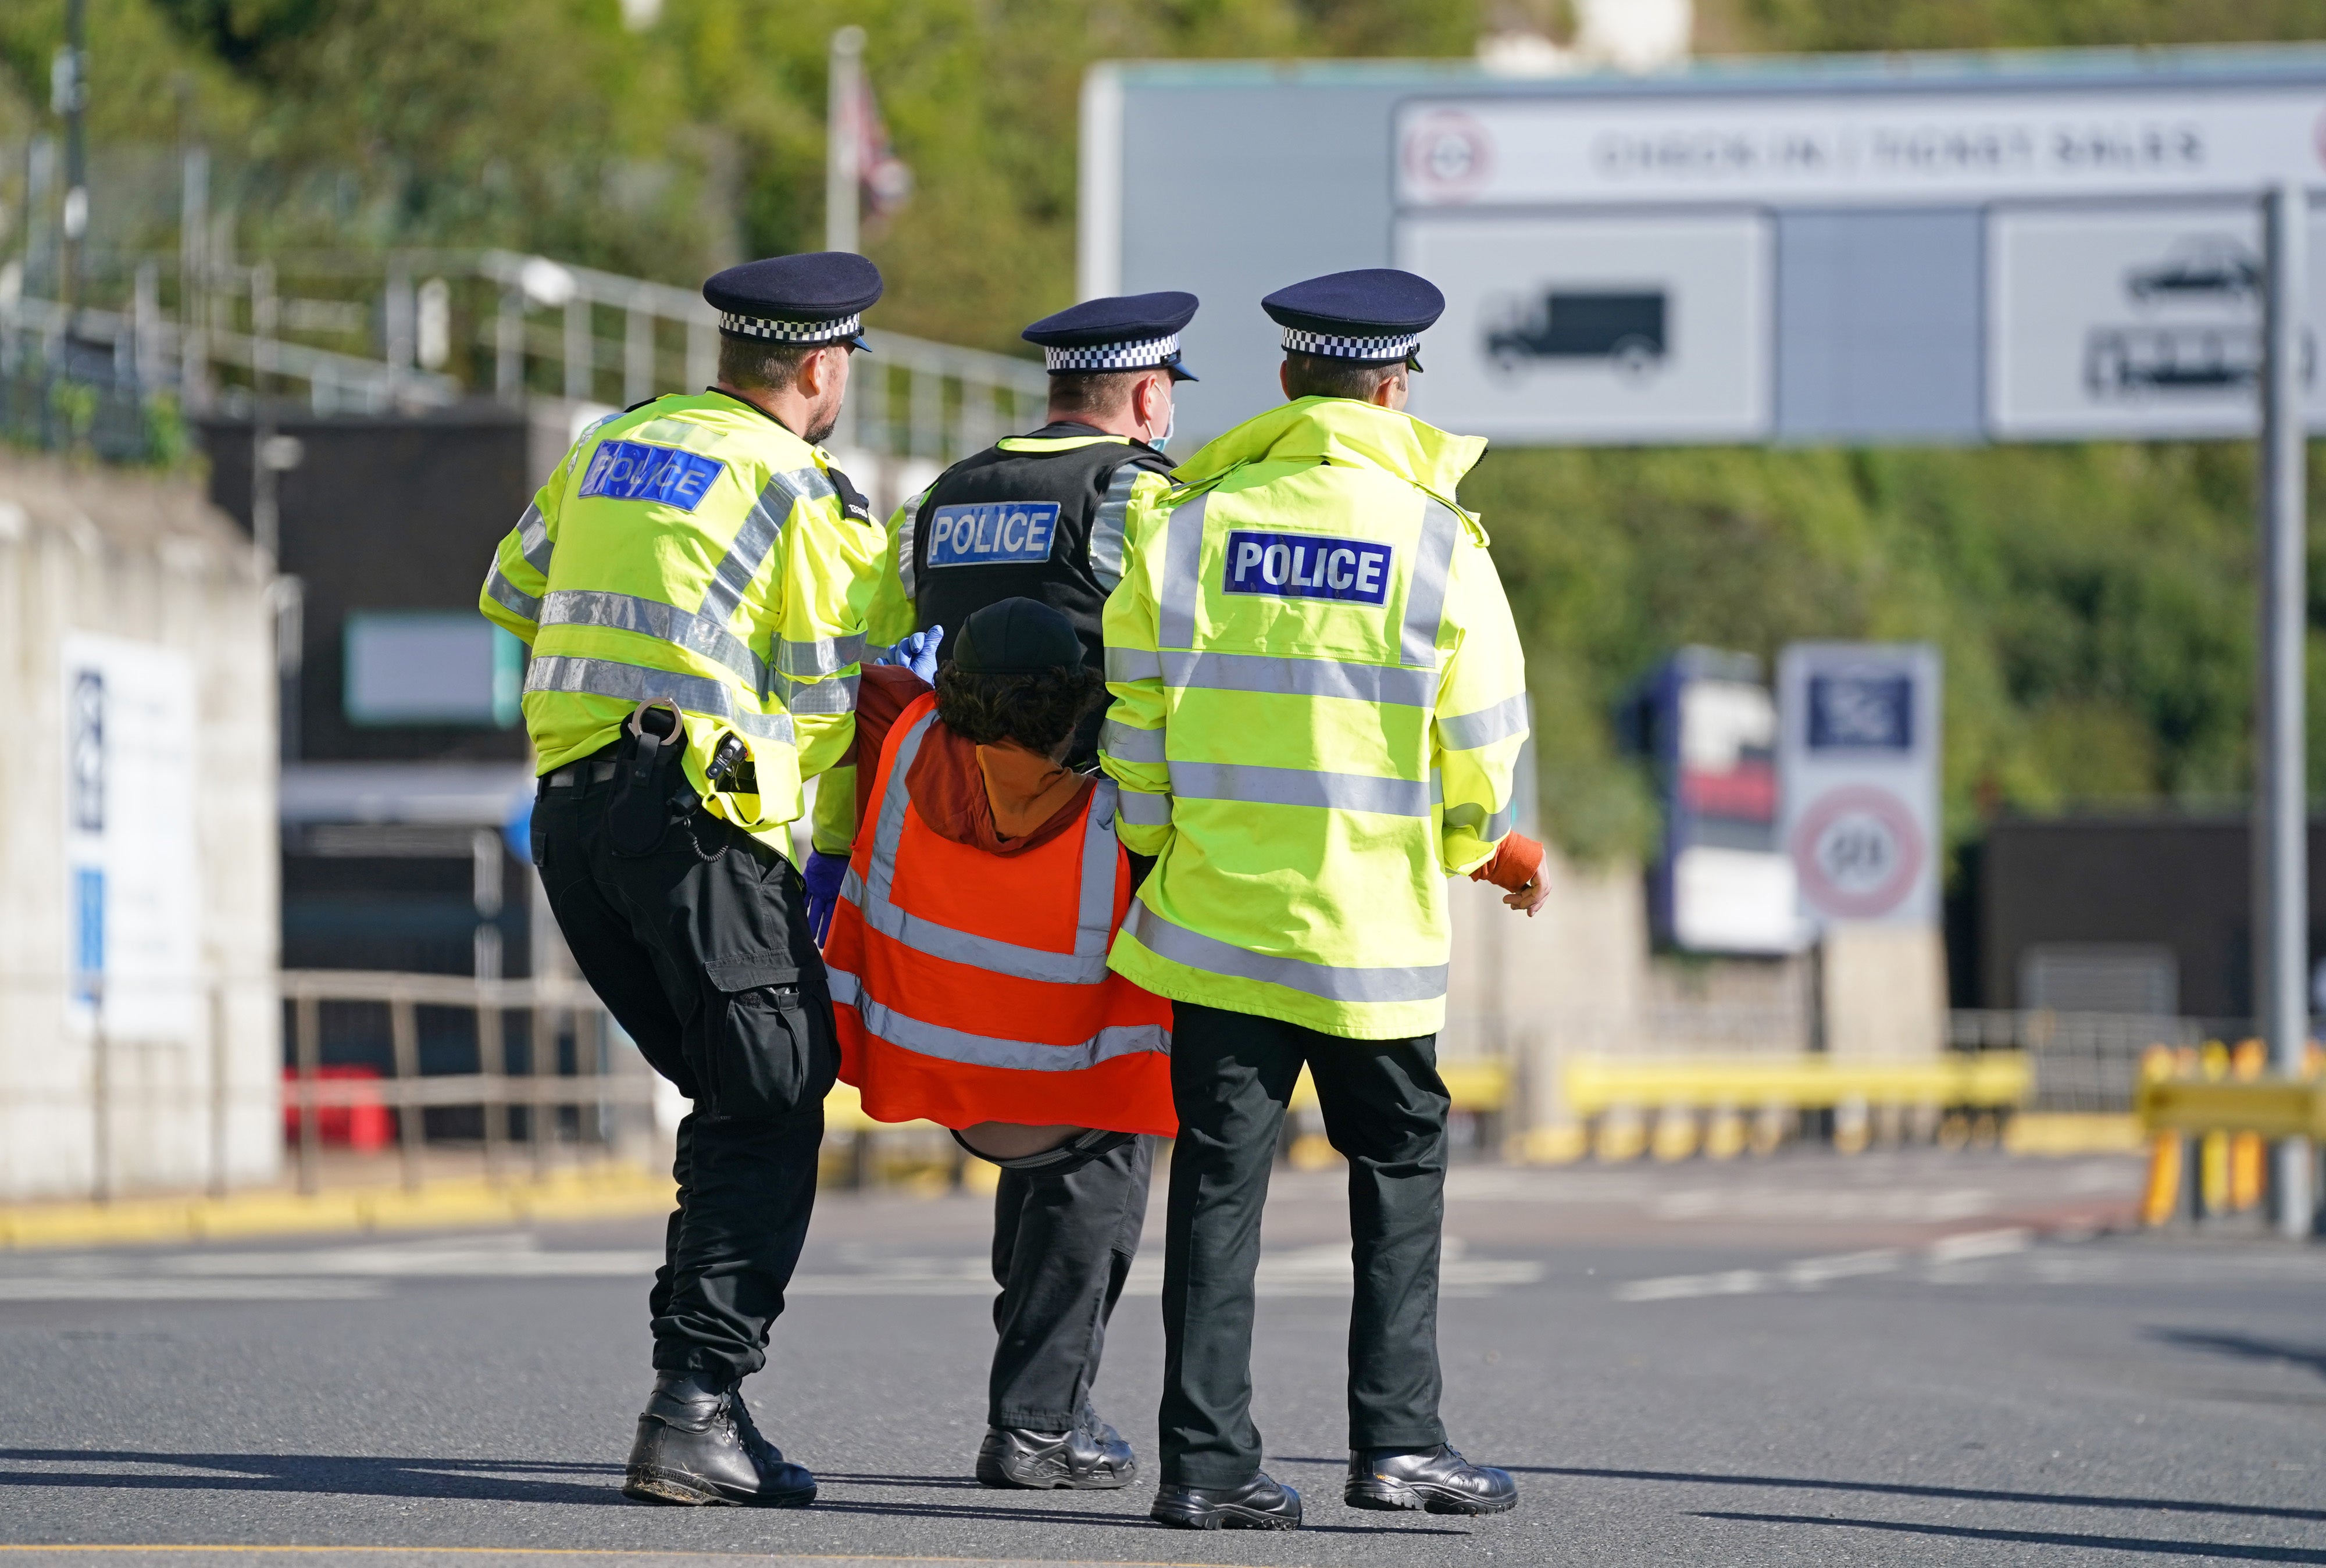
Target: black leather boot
x=1437, y=1478
x=1260, y=1504
x=696, y=1445
x=1093, y=1457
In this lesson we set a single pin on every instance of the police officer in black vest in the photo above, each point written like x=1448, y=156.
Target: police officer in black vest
x=1040, y=516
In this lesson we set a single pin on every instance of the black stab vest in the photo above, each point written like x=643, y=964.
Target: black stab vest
x=979, y=536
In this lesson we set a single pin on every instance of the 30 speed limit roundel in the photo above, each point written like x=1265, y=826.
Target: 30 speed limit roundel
x=1447, y=155
x=1857, y=851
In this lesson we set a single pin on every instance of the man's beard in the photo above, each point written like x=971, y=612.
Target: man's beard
x=826, y=421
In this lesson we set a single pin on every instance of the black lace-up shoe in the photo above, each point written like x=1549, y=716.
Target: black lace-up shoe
x=1082, y=1460
x=1260, y=1504
x=696, y=1445
x=1437, y=1478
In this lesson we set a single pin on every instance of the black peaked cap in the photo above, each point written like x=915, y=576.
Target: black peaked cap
x=1371, y=302
x=1113, y=333
x=786, y=298
x=1017, y=636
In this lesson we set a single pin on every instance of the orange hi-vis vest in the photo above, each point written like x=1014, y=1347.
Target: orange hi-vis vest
x=971, y=987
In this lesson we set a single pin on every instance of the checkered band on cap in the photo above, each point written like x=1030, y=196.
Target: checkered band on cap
x=1148, y=354
x=790, y=331
x=1336, y=346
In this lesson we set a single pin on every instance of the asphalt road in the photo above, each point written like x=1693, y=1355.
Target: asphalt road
x=1895, y=1359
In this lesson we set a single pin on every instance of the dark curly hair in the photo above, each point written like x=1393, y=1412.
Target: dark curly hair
x=1036, y=711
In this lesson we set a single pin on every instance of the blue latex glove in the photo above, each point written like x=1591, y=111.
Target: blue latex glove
x=823, y=876
x=916, y=651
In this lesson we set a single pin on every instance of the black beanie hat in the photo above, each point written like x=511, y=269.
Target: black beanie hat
x=1017, y=636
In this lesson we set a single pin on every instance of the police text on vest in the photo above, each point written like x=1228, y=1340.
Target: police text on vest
x=987, y=533
x=1306, y=566
x=635, y=471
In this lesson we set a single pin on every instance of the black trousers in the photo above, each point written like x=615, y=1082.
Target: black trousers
x=1062, y=1249
x=700, y=949
x=1231, y=1077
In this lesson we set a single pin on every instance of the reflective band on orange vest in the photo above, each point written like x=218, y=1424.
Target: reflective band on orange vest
x=1093, y=919
x=925, y=1039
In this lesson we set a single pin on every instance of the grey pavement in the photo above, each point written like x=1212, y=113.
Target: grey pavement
x=1909, y=1359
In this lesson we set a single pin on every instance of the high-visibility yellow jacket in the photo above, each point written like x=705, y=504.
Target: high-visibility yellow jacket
x=1319, y=702
x=695, y=550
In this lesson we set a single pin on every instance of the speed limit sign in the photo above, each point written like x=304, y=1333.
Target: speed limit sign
x=1858, y=766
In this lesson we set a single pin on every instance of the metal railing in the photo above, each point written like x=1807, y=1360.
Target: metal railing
x=434, y=327
x=595, y=1088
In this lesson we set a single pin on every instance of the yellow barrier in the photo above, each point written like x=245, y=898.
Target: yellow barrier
x=2268, y=1108
x=1598, y=1084
x=1480, y=1088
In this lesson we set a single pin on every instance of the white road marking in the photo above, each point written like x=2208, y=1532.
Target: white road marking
x=1808, y=1273
x=149, y=1287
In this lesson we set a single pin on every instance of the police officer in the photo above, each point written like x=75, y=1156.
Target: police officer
x=1319, y=698
x=692, y=582
x=1040, y=516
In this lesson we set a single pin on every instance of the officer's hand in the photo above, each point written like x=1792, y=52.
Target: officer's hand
x=823, y=875
x=916, y=651
x=1530, y=898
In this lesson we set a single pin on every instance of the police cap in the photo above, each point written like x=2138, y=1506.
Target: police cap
x=1125, y=332
x=809, y=300
x=1374, y=315
x=1017, y=636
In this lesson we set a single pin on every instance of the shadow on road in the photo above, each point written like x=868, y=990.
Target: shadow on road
x=2243, y=1553
x=2243, y=1347
x=347, y=1475
x=1903, y=1490
x=507, y=1482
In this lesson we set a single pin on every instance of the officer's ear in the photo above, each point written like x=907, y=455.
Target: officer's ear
x=1284, y=378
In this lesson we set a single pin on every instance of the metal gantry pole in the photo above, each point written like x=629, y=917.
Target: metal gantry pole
x=2280, y=806
x=842, y=123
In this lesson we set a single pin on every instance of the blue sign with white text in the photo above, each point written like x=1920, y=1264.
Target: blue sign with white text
x=1307, y=566
x=635, y=471
x=988, y=533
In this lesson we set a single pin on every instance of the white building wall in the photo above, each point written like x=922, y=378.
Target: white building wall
x=196, y=1094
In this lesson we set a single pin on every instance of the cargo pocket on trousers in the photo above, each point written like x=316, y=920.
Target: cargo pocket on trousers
x=773, y=1048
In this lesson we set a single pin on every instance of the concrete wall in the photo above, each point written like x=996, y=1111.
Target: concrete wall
x=146, y=560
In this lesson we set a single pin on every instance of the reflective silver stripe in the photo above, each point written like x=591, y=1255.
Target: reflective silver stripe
x=1425, y=591
x=828, y=656
x=907, y=531
x=1474, y=818
x=761, y=527
x=1093, y=916
x=533, y=540
x=1183, y=586
x=1133, y=664
x=664, y=622
x=836, y=695
x=1483, y=726
x=1422, y=983
x=1142, y=810
x=509, y=597
x=1106, y=527
x=637, y=684
x=1130, y=743
x=992, y=1051
x=1295, y=787
x=1385, y=685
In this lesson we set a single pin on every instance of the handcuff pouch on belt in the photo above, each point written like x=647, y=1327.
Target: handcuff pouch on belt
x=651, y=789
x=648, y=777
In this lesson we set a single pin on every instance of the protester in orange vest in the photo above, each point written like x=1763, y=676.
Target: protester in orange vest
x=967, y=957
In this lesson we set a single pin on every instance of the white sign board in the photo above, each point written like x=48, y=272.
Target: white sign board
x=1892, y=148
x=2137, y=322
x=1859, y=769
x=1626, y=328
x=132, y=889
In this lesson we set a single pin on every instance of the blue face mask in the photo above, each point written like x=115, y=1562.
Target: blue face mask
x=1170, y=424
